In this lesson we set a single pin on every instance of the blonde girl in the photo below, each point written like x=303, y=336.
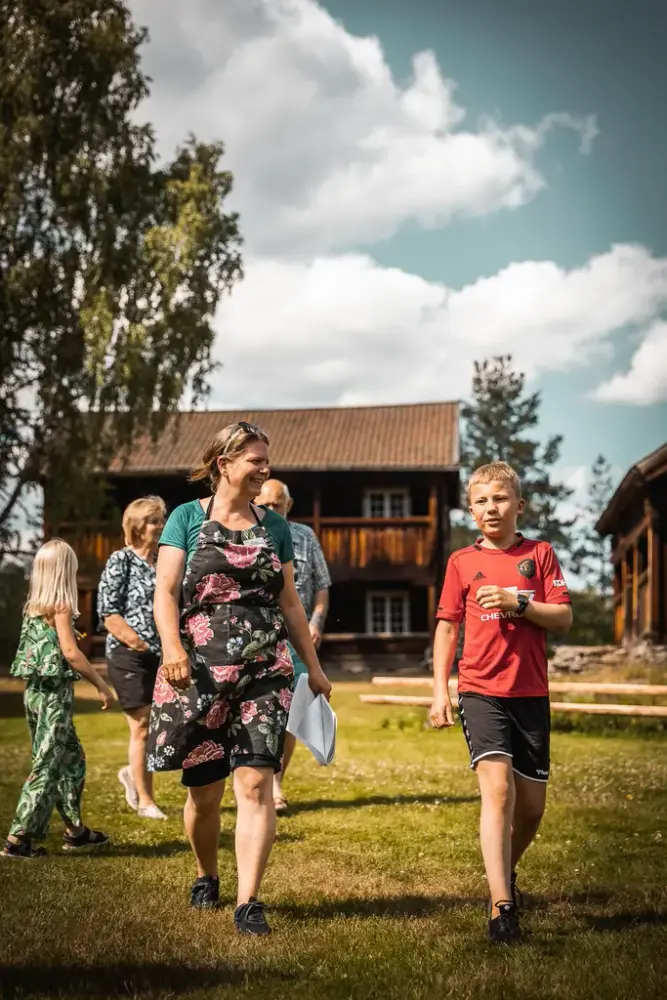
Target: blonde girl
x=49, y=660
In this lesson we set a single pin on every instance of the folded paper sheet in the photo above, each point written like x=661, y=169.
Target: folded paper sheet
x=313, y=721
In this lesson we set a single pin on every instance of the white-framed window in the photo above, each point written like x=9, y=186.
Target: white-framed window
x=387, y=613
x=386, y=503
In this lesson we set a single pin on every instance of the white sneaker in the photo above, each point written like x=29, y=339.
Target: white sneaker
x=131, y=794
x=151, y=812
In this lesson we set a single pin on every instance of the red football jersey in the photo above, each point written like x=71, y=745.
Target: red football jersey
x=503, y=654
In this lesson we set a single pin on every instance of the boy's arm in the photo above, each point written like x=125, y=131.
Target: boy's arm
x=451, y=611
x=554, y=614
x=444, y=651
x=551, y=617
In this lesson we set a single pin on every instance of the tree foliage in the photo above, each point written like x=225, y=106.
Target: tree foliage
x=591, y=553
x=111, y=263
x=497, y=422
x=593, y=623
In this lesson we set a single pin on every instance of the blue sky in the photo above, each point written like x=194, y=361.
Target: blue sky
x=428, y=183
x=523, y=59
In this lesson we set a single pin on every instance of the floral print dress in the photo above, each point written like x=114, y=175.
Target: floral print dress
x=235, y=710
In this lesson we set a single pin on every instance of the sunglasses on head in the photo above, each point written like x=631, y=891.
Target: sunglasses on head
x=242, y=427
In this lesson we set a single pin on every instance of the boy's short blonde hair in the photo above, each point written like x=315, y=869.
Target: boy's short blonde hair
x=137, y=514
x=495, y=472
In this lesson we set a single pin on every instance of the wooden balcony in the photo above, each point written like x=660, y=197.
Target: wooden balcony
x=349, y=545
x=93, y=545
x=358, y=543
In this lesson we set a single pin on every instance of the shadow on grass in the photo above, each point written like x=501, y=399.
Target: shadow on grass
x=172, y=847
x=164, y=850
x=619, y=922
x=117, y=980
x=384, y=906
x=592, y=897
x=315, y=805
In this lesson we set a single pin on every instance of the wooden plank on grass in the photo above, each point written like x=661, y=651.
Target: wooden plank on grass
x=557, y=687
x=397, y=699
x=587, y=708
x=656, y=711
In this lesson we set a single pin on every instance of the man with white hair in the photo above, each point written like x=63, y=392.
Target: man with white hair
x=312, y=580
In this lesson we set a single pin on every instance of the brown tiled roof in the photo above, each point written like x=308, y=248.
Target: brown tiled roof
x=415, y=436
x=651, y=467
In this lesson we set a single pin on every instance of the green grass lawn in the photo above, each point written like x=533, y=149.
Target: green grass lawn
x=375, y=887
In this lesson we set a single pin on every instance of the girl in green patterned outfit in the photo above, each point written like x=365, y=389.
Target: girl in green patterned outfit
x=49, y=661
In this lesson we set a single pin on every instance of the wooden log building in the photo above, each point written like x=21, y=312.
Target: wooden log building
x=375, y=483
x=636, y=519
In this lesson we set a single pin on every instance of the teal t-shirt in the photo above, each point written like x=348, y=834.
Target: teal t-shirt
x=184, y=524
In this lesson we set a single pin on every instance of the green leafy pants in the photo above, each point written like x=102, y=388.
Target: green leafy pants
x=58, y=762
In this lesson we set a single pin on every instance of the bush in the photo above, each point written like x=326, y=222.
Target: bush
x=593, y=619
x=13, y=591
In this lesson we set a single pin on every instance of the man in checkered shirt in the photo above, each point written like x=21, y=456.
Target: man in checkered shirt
x=312, y=581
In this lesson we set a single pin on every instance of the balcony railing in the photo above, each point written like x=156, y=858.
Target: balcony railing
x=353, y=542
x=361, y=542
x=93, y=544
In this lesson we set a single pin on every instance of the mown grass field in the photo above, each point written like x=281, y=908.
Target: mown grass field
x=375, y=887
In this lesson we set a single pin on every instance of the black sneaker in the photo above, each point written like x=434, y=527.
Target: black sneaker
x=23, y=850
x=505, y=929
x=249, y=918
x=517, y=895
x=205, y=894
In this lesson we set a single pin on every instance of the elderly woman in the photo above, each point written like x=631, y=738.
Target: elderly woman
x=225, y=603
x=125, y=608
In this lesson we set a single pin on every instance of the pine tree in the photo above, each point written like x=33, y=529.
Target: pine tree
x=496, y=422
x=590, y=555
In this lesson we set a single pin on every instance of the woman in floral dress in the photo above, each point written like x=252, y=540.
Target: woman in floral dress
x=225, y=603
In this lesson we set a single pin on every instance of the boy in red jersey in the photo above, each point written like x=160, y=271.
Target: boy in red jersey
x=510, y=591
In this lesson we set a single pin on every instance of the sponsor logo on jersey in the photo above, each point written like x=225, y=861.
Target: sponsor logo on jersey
x=479, y=576
x=559, y=583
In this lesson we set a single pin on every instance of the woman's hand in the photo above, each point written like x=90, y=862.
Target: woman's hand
x=140, y=646
x=106, y=695
x=176, y=668
x=319, y=683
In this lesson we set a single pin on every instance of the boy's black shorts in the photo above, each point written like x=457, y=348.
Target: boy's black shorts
x=519, y=728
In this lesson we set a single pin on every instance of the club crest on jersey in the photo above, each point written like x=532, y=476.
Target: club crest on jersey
x=527, y=568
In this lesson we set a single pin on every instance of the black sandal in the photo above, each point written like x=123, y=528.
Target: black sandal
x=23, y=850
x=87, y=838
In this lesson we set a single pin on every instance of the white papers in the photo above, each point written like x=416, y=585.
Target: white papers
x=313, y=721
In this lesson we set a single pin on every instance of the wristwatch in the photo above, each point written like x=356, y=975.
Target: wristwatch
x=523, y=601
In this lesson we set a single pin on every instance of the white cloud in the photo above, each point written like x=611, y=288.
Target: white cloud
x=559, y=318
x=646, y=381
x=330, y=151
x=343, y=329
x=328, y=148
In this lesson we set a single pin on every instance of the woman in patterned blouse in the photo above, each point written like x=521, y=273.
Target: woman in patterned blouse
x=125, y=608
